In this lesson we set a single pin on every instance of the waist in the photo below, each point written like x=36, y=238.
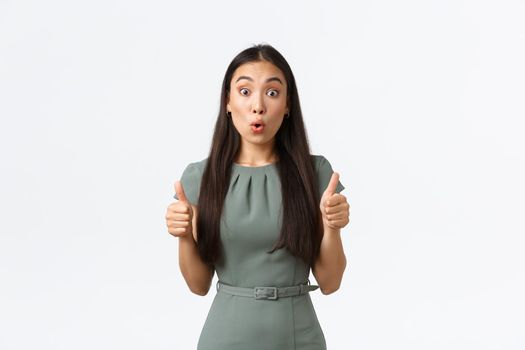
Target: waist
x=266, y=292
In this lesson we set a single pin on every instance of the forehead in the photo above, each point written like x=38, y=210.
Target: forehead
x=258, y=71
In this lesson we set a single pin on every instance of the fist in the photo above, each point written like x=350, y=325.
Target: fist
x=179, y=215
x=334, y=207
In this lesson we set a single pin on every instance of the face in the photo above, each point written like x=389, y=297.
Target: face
x=257, y=95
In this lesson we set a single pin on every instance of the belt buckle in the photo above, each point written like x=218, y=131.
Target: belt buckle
x=266, y=293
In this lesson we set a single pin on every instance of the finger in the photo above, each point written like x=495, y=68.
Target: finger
x=180, y=191
x=337, y=216
x=178, y=231
x=332, y=185
x=339, y=223
x=176, y=215
x=335, y=199
x=178, y=223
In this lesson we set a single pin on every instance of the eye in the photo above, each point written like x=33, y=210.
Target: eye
x=243, y=89
x=276, y=92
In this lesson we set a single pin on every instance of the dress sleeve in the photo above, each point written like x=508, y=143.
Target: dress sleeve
x=190, y=180
x=324, y=173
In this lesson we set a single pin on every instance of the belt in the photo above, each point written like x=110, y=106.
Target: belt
x=270, y=293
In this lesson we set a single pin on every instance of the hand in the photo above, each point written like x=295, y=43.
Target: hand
x=179, y=215
x=334, y=207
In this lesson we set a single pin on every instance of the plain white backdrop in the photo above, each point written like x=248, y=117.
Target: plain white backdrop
x=419, y=105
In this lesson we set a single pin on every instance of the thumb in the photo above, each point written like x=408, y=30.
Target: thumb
x=332, y=185
x=179, y=190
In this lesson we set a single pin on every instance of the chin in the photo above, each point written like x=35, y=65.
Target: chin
x=258, y=139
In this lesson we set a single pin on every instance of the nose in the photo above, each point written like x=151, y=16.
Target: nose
x=258, y=105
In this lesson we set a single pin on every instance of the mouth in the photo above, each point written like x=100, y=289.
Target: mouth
x=257, y=127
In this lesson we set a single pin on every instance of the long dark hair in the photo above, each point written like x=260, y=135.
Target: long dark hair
x=301, y=225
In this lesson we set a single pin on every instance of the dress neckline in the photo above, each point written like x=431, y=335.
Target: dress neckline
x=254, y=168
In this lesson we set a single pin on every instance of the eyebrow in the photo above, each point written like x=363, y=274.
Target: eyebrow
x=267, y=80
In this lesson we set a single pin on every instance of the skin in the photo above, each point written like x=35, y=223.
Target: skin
x=258, y=91
x=254, y=98
x=331, y=263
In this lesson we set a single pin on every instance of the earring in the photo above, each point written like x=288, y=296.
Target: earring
x=229, y=113
x=286, y=115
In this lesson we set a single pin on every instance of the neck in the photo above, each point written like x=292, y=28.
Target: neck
x=255, y=155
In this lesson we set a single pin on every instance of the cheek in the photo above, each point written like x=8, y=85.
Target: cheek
x=277, y=106
x=272, y=129
x=276, y=125
x=238, y=104
x=238, y=124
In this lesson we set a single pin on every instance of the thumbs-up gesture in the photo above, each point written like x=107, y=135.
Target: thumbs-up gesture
x=180, y=215
x=334, y=207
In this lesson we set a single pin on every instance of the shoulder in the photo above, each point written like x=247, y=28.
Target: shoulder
x=191, y=180
x=324, y=171
x=319, y=161
x=197, y=166
x=195, y=169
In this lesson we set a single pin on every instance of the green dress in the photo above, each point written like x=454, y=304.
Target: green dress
x=249, y=226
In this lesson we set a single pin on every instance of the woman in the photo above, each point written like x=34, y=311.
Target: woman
x=261, y=211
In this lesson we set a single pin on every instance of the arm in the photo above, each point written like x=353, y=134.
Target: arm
x=197, y=274
x=331, y=263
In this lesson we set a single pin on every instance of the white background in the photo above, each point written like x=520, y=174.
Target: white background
x=419, y=105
